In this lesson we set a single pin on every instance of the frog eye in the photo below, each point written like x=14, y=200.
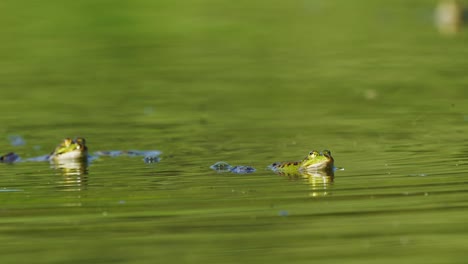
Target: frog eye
x=313, y=153
x=80, y=141
x=67, y=142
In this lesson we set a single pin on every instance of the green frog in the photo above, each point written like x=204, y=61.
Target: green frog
x=70, y=150
x=314, y=161
x=76, y=150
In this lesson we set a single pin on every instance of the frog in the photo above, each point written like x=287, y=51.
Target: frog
x=314, y=161
x=70, y=149
x=75, y=150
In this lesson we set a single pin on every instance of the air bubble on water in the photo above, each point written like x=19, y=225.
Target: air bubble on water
x=16, y=140
x=242, y=169
x=10, y=190
x=148, y=110
x=404, y=240
x=283, y=213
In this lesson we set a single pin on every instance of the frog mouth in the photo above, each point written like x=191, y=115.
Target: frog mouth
x=323, y=164
x=318, y=165
x=71, y=154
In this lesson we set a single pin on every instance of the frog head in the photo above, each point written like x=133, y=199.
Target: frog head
x=317, y=160
x=70, y=149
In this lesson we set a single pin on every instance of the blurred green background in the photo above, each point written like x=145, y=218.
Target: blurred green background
x=105, y=62
x=79, y=67
x=105, y=56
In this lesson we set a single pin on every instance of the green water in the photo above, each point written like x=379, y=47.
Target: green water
x=249, y=83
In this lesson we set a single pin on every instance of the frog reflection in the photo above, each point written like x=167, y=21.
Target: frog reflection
x=74, y=172
x=318, y=181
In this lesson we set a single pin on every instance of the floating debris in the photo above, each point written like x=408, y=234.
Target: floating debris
x=242, y=169
x=146, y=153
x=109, y=153
x=151, y=159
x=9, y=158
x=222, y=166
x=150, y=156
x=39, y=158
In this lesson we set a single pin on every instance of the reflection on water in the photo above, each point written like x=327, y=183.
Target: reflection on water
x=319, y=181
x=74, y=172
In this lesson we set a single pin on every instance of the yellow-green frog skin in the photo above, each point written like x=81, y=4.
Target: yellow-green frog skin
x=70, y=149
x=314, y=161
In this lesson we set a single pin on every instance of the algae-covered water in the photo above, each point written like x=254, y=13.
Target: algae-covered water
x=249, y=83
